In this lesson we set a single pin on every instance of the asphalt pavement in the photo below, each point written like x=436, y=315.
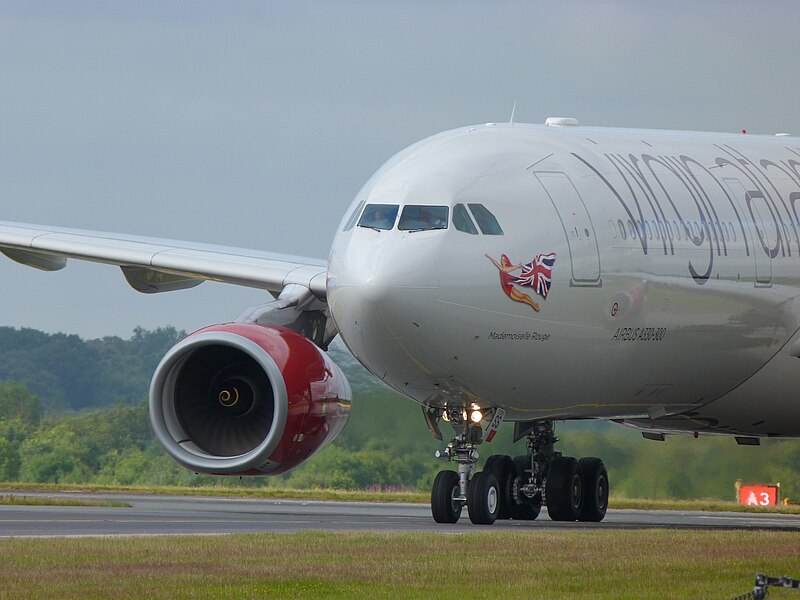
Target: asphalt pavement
x=188, y=515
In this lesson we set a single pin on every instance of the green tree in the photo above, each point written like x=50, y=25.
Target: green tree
x=9, y=460
x=20, y=413
x=50, y=456
x=17, y=403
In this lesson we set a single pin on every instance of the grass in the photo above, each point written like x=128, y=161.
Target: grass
x=233, y=492
x=485, y=563
x=700, y=505
x=371, y=496
x=12, y=499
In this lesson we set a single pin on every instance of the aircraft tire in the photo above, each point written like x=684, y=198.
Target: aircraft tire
x=564, y=489
x=443, y=506
x=502, y=467
x=483, y=498
x=526, y=511
x=595, y=489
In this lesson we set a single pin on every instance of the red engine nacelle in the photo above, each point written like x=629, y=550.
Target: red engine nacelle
x=243, y=399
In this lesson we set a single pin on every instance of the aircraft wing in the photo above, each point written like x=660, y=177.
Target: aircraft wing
x=153, y=265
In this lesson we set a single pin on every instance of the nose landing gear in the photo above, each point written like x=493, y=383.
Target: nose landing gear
x=480, y=492
x=572, y=490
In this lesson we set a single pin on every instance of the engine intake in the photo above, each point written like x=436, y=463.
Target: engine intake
x=245, y=399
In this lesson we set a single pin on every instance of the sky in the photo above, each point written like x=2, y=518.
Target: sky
x=254, y=124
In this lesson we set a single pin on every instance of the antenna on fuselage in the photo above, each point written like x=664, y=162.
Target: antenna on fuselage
x=513, y=111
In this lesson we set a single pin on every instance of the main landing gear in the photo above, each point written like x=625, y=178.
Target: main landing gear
x=572, y=490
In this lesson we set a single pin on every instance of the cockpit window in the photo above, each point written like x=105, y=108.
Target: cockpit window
x=379, y=216
x=486, y=220
x=419, y=218
x=462, y=220
x=351, y=222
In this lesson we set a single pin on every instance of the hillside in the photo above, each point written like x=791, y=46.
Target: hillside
x=68, y=373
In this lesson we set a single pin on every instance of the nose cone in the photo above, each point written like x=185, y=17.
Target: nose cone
x=378, y=286
x=373, y=271
x=360, y=274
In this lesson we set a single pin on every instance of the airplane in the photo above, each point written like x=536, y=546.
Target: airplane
x=497, y=272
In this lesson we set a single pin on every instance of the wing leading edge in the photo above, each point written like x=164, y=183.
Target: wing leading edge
x=152, y=265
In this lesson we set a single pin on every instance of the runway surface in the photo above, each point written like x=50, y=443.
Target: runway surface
x=172, y=515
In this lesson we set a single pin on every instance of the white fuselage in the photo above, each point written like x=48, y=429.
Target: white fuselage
x=673, y=294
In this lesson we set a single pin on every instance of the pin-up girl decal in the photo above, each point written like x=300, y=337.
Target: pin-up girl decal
x=536, y=274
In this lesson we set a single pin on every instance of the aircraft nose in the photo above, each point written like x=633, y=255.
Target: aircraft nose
x=357, y=273
x=376, y=284
x=371, y=279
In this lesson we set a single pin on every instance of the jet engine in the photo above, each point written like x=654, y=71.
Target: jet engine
x=247, y=399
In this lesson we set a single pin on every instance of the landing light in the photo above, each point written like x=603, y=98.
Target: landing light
x=476, y=416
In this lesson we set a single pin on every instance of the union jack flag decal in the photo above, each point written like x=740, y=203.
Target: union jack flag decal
x=538, y=274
